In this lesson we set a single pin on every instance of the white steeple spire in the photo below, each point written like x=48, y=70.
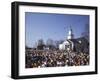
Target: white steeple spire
x=70, y=34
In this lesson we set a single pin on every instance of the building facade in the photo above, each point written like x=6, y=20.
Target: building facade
x=72, y=44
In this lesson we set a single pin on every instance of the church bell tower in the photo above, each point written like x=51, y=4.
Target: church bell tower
x=70, y=34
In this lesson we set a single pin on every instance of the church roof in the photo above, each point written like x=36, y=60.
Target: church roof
x=79, y=41
x=82, y=39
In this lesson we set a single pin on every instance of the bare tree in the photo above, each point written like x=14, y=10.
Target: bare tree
x=49, y=42
x=40, y=42
x=56, y=43
x=85, y=34
x=35, y=45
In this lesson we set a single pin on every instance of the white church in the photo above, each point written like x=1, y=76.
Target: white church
x=72, y=44
x=67, y=44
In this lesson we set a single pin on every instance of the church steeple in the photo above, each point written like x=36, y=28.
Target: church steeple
x=70, y=33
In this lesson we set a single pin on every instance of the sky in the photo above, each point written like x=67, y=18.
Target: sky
x=52, y=26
